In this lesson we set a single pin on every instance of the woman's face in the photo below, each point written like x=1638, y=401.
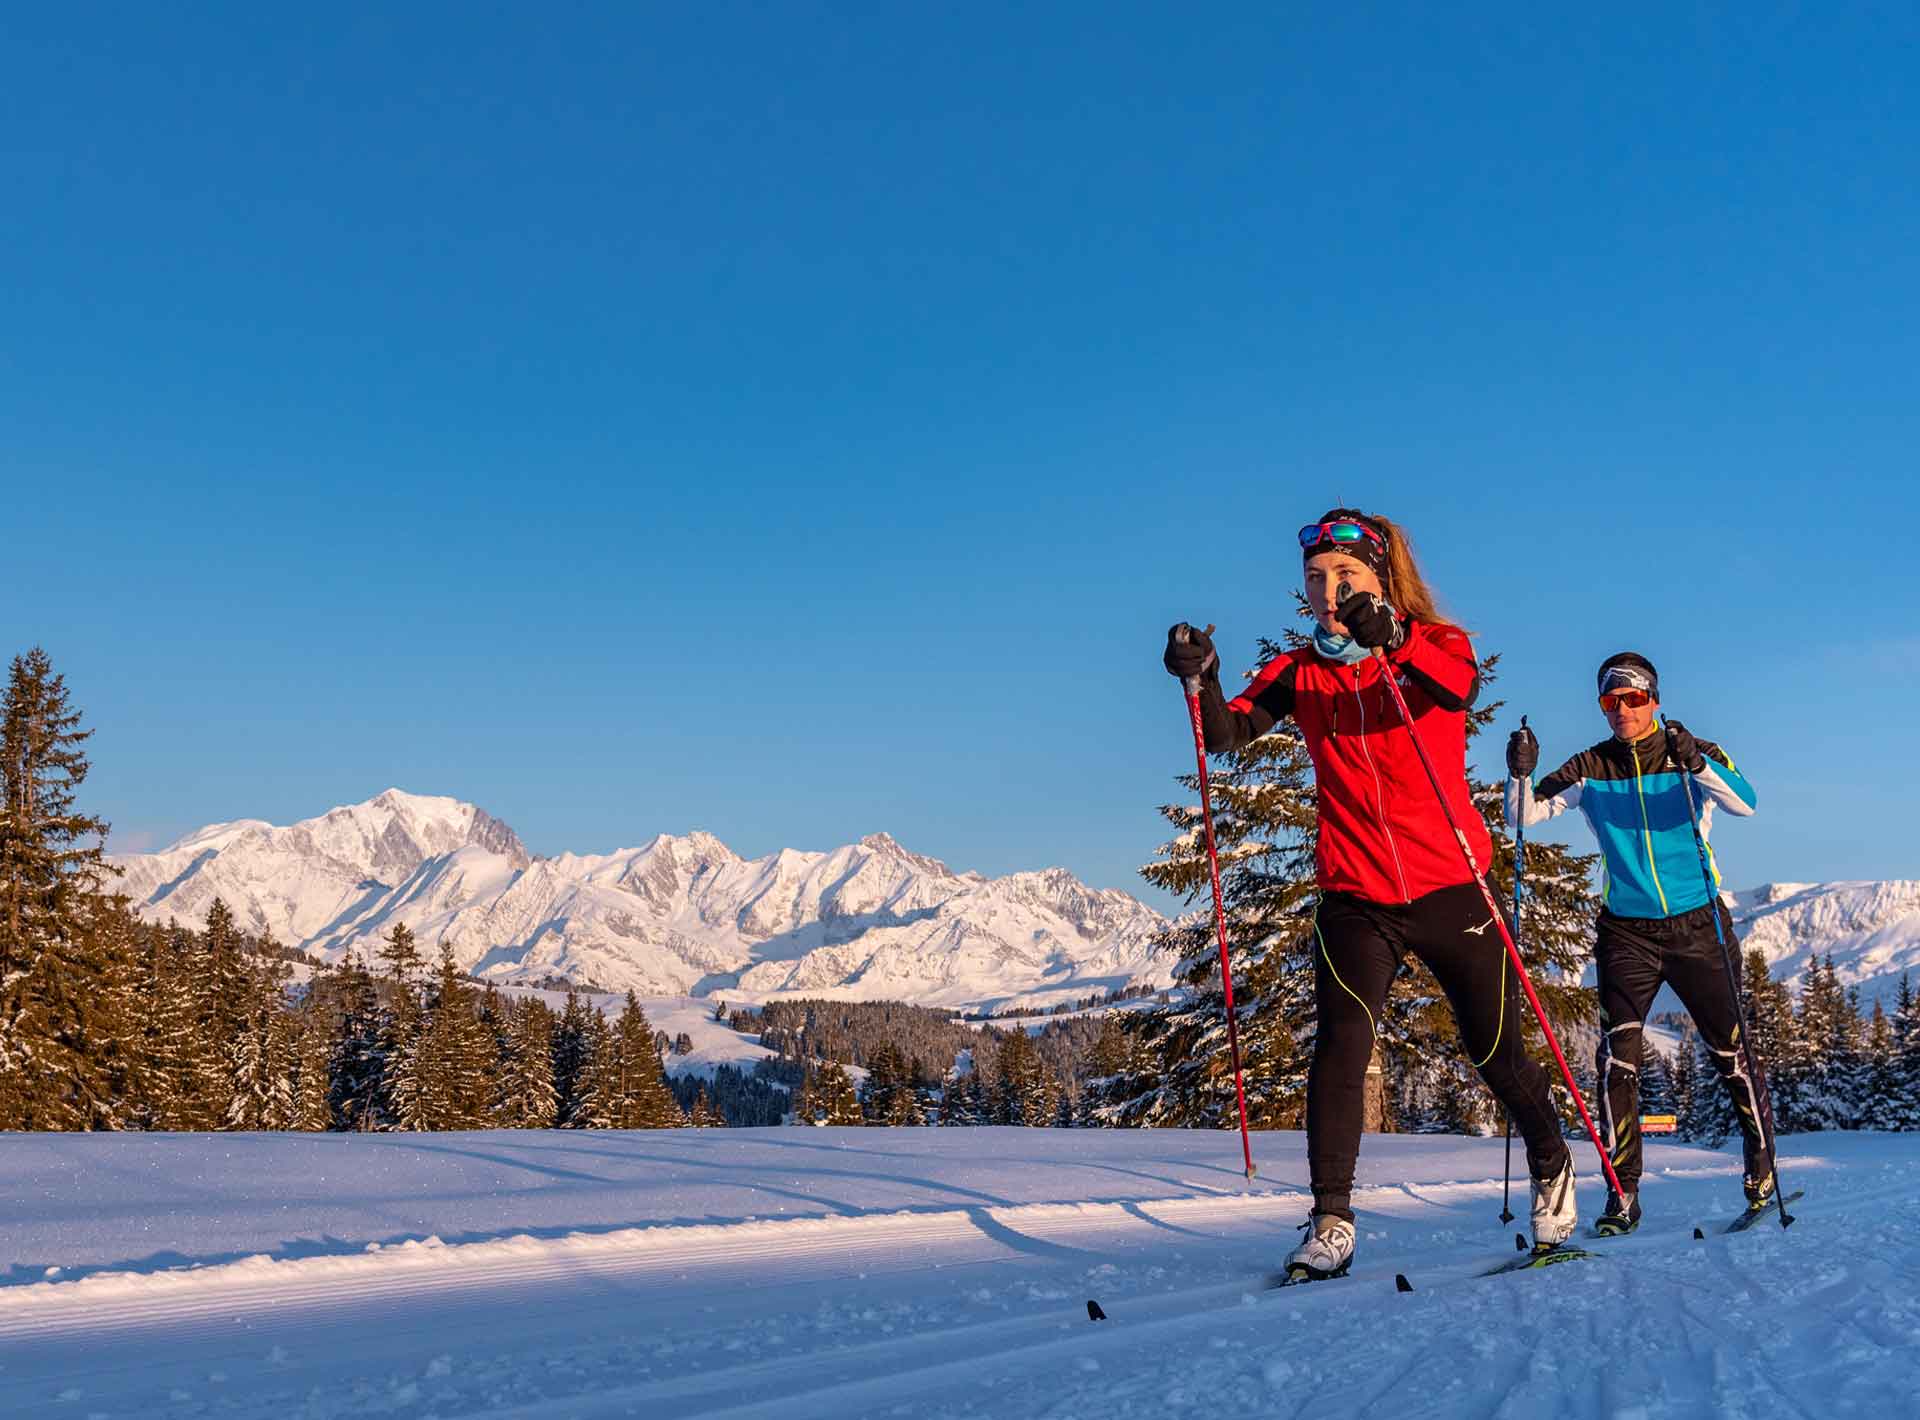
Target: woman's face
x=1325, y=573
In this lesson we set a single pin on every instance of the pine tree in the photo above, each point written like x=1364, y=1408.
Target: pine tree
x=259, y=1084
x=1029, y=1093
x=642, y=1097
x=1834, y=1088
x=52, y=987
x=890, y=1097
x=1903, y=1111
x=1881, y=1105
x=834, y=1098
x=1778, y=1045
x=358, y=1087
x=407, y=1103
x=572, y=1058
x=312, y=1109
x=1711, y=1118
x=597, y=1085
x=1178, y=1070
x=525, y=1097
x=1686, y=1084
x=1656, y=1081
x=454, y=1057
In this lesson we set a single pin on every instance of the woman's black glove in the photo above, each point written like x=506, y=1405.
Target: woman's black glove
x=1369, y=620
x=1189, y=651
x=1523, y=753
x=1684, y=748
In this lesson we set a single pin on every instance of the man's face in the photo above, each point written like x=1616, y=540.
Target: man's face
x=1629, y=721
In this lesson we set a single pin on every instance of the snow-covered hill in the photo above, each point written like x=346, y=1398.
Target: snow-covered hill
x=679, y=915
x=1872, y=930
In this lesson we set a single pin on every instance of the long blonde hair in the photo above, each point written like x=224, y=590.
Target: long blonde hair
x=1406, y=588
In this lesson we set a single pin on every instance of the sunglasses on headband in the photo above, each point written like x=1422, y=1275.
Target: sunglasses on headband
x=1313, y=534
x=1632, y=699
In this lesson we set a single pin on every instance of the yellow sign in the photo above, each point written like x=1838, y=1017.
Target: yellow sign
x=1659, y=1123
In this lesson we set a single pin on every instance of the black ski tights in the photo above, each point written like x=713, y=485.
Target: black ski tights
x=1357, y=949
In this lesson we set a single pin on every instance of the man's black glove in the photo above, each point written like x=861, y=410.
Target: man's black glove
x=1189, y=651
x=1684, y=748
x=1369, y=619
x=1523, y=753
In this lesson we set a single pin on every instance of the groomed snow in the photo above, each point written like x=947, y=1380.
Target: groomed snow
x=923, y=1273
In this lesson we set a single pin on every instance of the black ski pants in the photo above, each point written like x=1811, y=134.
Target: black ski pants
x=1358, y=945
x=1634, y=956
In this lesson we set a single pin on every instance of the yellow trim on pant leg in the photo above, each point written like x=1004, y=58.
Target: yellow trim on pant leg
x=1371, y=1025
x=1501, y=1024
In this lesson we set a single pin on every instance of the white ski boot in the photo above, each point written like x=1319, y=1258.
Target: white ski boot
x=1327, y=1251
x=1555, y=1211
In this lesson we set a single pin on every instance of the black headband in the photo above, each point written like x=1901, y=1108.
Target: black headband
x=1629, y=671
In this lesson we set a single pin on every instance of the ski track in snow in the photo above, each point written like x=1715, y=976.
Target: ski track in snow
x=936, y=1273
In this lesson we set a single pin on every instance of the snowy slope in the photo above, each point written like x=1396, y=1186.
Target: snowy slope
x=1872, y=930
x=924, y=1273
x=677, y=916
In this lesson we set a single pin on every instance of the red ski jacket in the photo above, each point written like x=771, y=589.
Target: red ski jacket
x=1383, y=836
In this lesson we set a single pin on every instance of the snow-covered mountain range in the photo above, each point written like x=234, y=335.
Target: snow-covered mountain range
x=1872, y=930
x=678, y=915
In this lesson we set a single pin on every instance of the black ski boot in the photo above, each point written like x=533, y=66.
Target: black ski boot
x=1621, y=1215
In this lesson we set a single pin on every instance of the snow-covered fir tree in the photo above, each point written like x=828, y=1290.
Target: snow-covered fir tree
x=641, y=1099
x=51, y=979
x=406, y=1103
x=1833, y=1087
x=524, y=1093
x=1902, y=1110
x=359, y=1059
x=828, y=1097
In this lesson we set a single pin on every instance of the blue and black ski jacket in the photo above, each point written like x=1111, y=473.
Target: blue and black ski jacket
x=1636, y=805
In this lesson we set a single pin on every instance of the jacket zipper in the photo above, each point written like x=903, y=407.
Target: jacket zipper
x=1379, y=793
x=1646, y=829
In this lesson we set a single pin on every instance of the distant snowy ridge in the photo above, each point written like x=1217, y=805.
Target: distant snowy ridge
x=679, y=915
x=1871, y=929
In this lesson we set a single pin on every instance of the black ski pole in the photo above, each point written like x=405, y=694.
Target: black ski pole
x=1761, y=1121
x=1506, y=1186
x=1519, y=871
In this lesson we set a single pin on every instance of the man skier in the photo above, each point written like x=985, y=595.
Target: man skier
x=1656, y=925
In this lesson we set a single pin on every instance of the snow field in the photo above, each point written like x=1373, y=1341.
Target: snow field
x=937, y=1273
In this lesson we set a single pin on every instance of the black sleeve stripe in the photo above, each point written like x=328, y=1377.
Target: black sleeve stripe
x=1439, y=694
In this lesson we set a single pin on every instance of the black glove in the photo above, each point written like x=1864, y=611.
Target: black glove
x=1684, y=748
x=1370, y=621
x=1189, y=651
x=1523, y=753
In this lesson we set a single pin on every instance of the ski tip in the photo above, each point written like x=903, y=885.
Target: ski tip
x=1699, y=1236
x=1093, y=1311
x=1400, y=1282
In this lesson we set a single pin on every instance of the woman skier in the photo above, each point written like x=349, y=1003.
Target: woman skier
x=1390, y=873
x=1657, y=922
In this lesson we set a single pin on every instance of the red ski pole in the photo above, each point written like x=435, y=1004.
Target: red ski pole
x=1192, y=685
x=1493, y=910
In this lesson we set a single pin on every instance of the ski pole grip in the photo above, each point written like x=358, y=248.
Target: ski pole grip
x=1183, y=634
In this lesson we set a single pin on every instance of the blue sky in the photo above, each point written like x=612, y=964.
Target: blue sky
x=797, y=421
